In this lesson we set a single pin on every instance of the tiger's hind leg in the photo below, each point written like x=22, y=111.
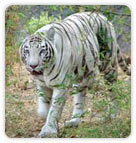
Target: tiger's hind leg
x=78, y=111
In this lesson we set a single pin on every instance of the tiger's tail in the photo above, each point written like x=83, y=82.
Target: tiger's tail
x=124, y=62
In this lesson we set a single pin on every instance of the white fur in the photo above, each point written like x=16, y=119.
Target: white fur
x=43, y=108
x=79, y=103
x=73, y=122
x=51, y=126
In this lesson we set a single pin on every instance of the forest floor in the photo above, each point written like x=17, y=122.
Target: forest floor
x=21, y=118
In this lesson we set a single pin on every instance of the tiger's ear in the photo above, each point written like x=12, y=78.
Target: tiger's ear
x=51, y=33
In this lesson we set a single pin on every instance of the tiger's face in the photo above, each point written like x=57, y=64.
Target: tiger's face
x=35, y=53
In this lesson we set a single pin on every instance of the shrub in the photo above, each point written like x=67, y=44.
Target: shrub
x=35, y=23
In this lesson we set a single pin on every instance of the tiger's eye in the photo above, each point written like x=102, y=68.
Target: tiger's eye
x=26, y=53
x=26, y=47
x=43, y=46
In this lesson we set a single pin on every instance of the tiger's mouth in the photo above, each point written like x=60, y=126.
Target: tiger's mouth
x=36, y=73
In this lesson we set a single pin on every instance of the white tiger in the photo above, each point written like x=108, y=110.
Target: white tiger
x=57, y=51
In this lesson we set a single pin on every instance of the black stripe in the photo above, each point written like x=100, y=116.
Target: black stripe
x=76, y=70
x=61, y=63
x=65, y=32
x=87, y=37
x=57, y=73
x=81, y=21
x=52, y=50
x=49, y=52
x=95, y=20
x=100, y=26
x=62, y=44
x=92, y=49
x=106, y=28
x=88, y=22
x=51, y=70
x=91, y=30
x=73, y=32
x=83, y=25
x=77, y=27
x=68, y=25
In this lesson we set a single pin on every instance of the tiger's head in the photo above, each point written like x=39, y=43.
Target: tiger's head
x=36, y=51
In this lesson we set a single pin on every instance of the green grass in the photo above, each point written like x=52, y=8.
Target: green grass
x=117, y=128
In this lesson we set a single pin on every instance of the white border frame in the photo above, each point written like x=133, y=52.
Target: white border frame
x=3, y=5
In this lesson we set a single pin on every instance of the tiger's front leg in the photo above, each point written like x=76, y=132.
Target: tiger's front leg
x=44, y=99
x=50, y=129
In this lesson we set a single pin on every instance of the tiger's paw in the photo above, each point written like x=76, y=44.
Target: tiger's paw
x=48, y=132
x=73, y=122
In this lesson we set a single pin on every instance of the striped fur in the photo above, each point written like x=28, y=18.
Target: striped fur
x=79, y=47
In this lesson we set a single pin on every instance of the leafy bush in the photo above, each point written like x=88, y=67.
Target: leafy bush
x=104, y=95
x=35, y=23
x=14, y=21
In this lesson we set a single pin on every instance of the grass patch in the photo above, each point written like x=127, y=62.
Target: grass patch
x=118, y=128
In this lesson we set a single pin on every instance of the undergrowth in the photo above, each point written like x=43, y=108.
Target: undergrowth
x=100, y=124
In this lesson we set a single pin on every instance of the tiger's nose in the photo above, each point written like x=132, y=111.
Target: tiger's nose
x=33, y=66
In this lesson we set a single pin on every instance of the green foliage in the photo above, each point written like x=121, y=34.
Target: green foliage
x=60, y=100
x=40, y=92
x=104, y=95
x=8, y=73
x=35, y=23
x=72, y=79
x=123, y=91
x=14, y=20
x=12, y=56
x=17, y=17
